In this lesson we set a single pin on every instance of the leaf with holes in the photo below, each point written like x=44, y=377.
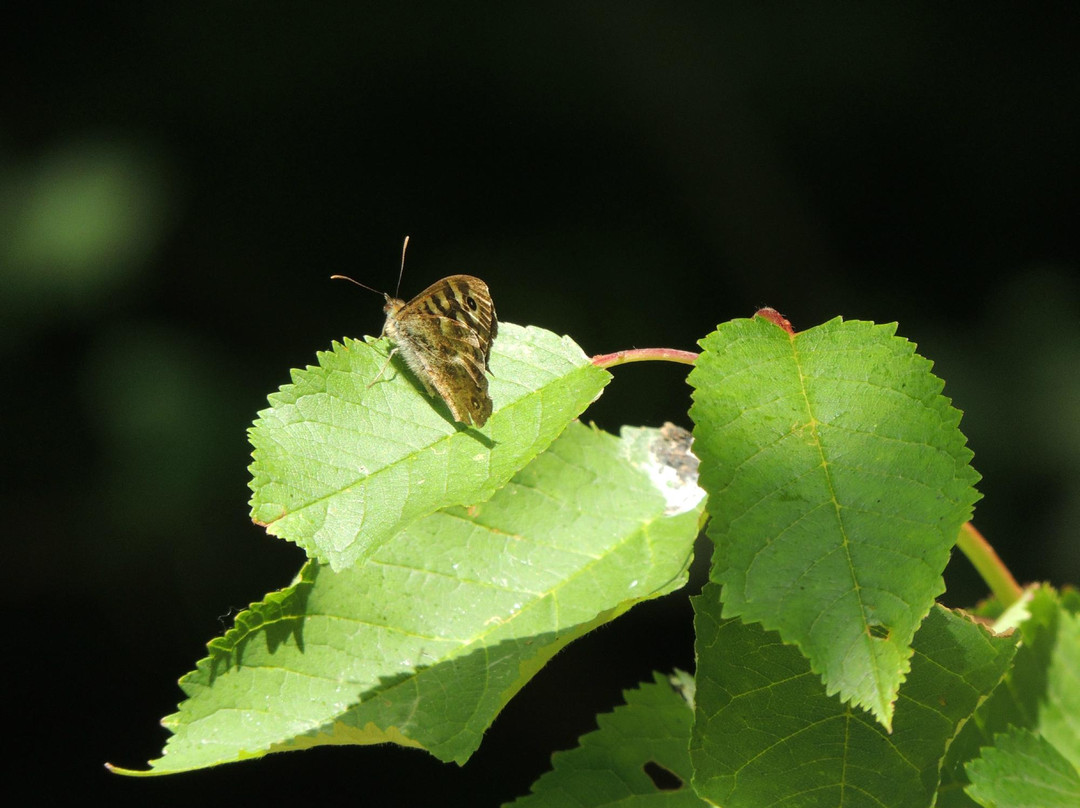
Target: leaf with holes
x=838, y=479
x=766, y=733
x=639, y=752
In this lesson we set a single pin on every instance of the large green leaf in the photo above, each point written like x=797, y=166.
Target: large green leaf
x=638, y=756
x=343, y=462
x=426, y=642
x=838, y=480
x=766, y=732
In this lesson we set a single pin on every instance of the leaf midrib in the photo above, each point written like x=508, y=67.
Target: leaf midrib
x=845, y=543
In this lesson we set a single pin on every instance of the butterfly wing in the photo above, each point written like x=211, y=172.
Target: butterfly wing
x=445, y=335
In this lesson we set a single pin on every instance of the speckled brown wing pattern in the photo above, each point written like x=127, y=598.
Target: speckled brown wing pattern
x=444, y=334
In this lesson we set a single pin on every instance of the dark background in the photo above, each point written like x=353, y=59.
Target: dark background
x=178, y=182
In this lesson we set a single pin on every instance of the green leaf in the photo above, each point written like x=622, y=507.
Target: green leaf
x=1041, y=693
x=1059, y=709
x=425, y=643
x=1023, y=770
x=638, y=756
x=342, y=462
x=838, y=480
x=766, y=732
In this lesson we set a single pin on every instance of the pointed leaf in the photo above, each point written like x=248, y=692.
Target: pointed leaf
x=766, y=733
x=638, y=754
x=425, y=643
x=342, y=462
x=838, y=481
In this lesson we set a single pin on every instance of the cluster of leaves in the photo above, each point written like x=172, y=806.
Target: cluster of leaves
x=447, y=565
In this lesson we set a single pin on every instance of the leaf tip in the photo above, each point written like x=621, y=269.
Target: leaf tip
x=266, y=521
x=128, y=772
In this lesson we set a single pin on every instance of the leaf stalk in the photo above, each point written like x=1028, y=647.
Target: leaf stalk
x=987, y=563
x=644, y=355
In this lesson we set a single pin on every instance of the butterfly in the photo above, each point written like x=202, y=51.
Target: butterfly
x=444, y=334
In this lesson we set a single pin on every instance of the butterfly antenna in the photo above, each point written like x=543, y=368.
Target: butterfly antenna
x=404, y=247
x=351, y=280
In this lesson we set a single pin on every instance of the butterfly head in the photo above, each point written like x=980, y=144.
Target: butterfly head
x=393, y=304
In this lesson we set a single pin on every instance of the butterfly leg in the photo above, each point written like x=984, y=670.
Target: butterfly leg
x=382, y=370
